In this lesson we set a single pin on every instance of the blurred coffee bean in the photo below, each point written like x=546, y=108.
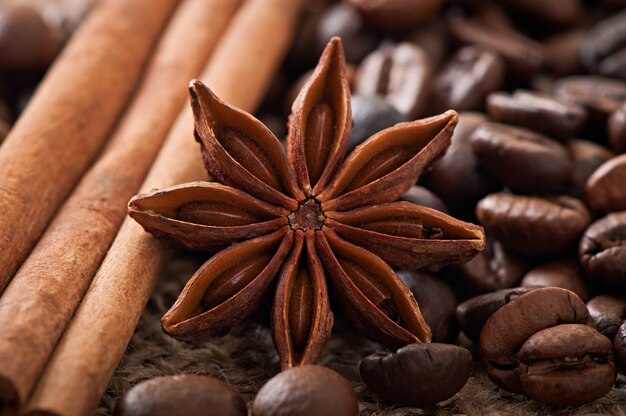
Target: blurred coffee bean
x=602, y=250
x=395, y=15
x=563, y=51
x=608, y=313
x=494, y=268
x=600, y=96
x=539, y=112
x=587, y=157
x=309, y=390
x=344, y=21
x=606, y=187
x=470, y=75
x=183, y=394
x=455, y=178
x=522, y=55
x=417, y=375
x=619, y=345
x=560, y=13
x=617, y=129
x=543, y=83
x=26, y=41
x=511, y=325
x=436, y=301
x=422, y=196
x=432, y=38
x=371, y=114
x=533, y=225
x=521, y=159
x=302, y=53
x=603, y=51
x=474, y=312
x=401, y=73
x=567, y=365
x=491, y=14
x=563, y=273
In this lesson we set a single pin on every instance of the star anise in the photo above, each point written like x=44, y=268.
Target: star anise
x=309, y=216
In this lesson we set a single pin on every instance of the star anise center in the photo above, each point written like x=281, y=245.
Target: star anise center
x=308, y=216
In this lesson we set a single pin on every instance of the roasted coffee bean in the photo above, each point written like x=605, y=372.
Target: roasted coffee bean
x=619, y=345
x=436, y=301
x=432, y=38
x=474, y=312
x=422, y=196
x=533, y=225
x=470, y=75
x=521, y=159
x=492, y=15
x=539, y=112
x=563, y=273
x=560, y=13
x=603, y=51
x=617, y=129
x=600, y=96
x=401, y=73
x=417, y=375
x=587, y=157
x=455, y=178
x=608, y=313
x=344, y=21
x=371, y=114
x=605, y=189
x=309, y=390
x=523, y=56
x=563, y=52
x=183, y=394
x=567, y=365
x=394, y=15
x=26, y=41
x=494, y=268
x=602, y=250
x=511, y=325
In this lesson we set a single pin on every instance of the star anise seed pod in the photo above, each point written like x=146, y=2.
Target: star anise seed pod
x=309, y=216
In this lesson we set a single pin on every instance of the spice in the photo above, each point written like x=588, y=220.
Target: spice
x=307, y=217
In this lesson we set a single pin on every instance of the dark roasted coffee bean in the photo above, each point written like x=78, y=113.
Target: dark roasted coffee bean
x=619, y=345
x=523, y=56
x=567, y=365
x=603, y=51
x=401, y=73
x=455, y=177
x=563, y=273
x=494, y=268
x=417, y=375
x=602, y=250
x=394, y=15
x=521, y=159
x=432, y=38
x=587, y=157
x=533, y=225
x=511, y=325
x=344, y=21
x=561, y=13
x=492, y=15
x=600, y=96
x=371, y=114
x=474, y=312
x=422, y=196
x=608, y=313
x=563, y=52
x=309, y=390
x=26, y=41
x=539, y=112
x=617, y=129
x=471, y=74
x=436, y=301
x=183, y=394
x=606, y=187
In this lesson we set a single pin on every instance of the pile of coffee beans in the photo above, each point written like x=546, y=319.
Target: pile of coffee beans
x=536, y=159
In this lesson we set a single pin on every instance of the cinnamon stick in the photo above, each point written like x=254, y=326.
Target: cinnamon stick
x=93, y=344
x=68, y=119
x=38, y=304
